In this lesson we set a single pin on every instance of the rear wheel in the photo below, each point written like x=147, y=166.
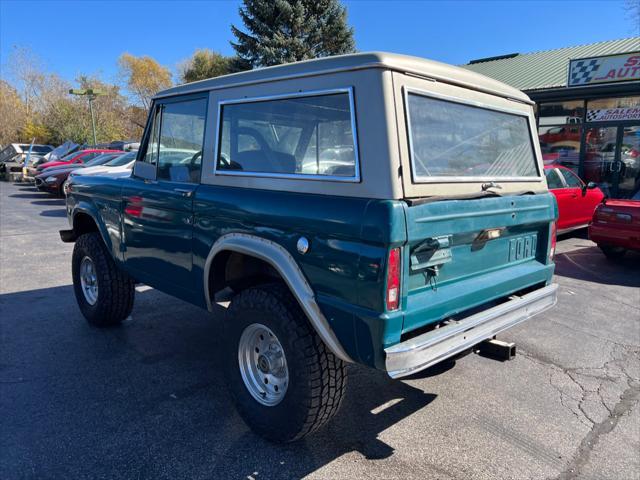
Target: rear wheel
x=613, y=253
x=285, y=382
x=104, y=293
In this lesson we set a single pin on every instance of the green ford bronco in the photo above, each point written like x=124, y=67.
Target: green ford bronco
x=370, y=208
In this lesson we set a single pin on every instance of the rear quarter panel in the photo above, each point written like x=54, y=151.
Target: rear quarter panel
x=344, y=271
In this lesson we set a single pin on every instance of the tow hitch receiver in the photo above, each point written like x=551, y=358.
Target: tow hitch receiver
x=497, y=349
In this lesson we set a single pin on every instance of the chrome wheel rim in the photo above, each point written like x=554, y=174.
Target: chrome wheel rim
x=89, y=280
x=263, y=365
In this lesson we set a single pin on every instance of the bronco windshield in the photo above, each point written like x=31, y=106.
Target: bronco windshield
x=451, y=141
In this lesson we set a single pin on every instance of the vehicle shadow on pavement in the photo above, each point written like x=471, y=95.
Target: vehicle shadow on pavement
x=589, y=264
x=35, y=195
x=24, y=187
x=58, y=212
x=52, y=202
x=148, y=399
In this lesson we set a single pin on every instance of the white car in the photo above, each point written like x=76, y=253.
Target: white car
x=120, y=166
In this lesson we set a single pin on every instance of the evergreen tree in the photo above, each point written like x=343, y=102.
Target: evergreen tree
x=283, y=31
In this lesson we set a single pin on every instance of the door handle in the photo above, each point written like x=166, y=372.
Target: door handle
x=185, y=192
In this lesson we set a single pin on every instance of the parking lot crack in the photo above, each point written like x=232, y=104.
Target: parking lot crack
x=570, y=392
x=589, y=393
x=627, y=401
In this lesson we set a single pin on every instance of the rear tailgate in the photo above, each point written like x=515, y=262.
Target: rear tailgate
x=463, y=253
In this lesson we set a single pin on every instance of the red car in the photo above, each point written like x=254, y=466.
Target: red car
x=560, y=134
x=77, y=157
x=576, y=200
x=616, y=226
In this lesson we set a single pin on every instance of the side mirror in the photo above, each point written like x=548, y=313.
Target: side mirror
x=588, y=186
x=145, y=170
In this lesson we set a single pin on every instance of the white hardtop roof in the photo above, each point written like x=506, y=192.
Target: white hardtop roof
x=389, y=61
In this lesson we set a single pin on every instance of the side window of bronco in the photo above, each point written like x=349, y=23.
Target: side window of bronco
x=298, y=135
x=176, y=139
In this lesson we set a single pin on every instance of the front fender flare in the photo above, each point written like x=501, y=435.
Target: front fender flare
x=91, y=211
x=286, y=266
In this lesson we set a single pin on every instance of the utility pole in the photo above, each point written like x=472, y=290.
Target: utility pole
x=91, y=94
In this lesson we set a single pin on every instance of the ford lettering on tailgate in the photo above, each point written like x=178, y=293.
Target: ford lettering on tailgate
x=522, y=247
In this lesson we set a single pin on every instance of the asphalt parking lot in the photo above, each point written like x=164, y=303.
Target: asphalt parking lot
x=147, y=399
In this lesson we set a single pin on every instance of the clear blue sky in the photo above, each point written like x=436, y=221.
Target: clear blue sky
x=73, y=37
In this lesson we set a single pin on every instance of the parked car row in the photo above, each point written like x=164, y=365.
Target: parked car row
x=12, y=156
x=76, y=158
x=52, y=177
x=20, y=161
x=55, y=177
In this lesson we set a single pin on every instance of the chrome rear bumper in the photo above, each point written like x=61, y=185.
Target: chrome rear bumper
x=432, y=347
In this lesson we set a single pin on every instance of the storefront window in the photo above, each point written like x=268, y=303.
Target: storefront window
x=560, y=145
x=558, y=113
x=600, y=165
x=620, y=102
x=613, y=109
x=629, y=179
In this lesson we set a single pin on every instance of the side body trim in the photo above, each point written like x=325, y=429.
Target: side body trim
x=284, y=263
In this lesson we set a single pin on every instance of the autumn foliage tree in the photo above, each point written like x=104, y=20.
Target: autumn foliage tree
x=12, y=113
x=35, y=104
x=68, y=117
x=143, y=76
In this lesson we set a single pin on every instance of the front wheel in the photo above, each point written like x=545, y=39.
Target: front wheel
x=285, y=382
x=104, y=293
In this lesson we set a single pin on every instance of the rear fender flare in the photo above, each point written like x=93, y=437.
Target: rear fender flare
x=286, y=266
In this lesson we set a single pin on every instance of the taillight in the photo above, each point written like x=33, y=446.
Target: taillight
x=609, y=215
x=393, y=279
x=552, y=233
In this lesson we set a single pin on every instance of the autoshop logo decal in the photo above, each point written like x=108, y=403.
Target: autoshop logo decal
x=611, y=69
x=610, y=114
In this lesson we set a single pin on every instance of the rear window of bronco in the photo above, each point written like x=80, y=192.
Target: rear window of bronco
x=457, y=141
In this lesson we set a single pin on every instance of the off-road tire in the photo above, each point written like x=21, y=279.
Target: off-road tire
x=613, y=253
x=116, y=289
x=317, y=378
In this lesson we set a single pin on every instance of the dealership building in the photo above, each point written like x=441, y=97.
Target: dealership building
x=587, y=105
